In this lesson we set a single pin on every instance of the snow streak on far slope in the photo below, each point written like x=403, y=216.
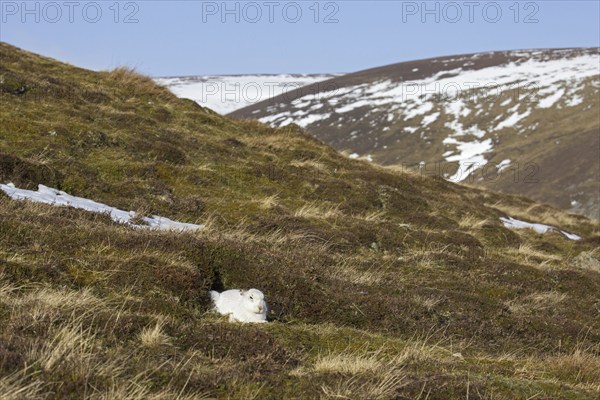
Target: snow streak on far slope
x=539, y=228
x=227, y=93
x=458, y=93
x=56, y=197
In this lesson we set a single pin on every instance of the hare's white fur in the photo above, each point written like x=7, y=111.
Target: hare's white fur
x=241, y=305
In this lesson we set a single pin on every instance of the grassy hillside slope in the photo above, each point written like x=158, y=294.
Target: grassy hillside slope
x=381, y=284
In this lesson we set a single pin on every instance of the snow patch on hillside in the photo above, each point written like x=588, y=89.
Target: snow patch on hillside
x=55, y=197
x=503, y=165
x=513, y=223
x=512, y=120
x=469, y=158
x=428, y=119
x=552, y=99
x=574, y=101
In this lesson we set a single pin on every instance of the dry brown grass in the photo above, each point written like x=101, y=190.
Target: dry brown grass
x=317, y=211
x=580, y=367
x=154, y=336
x=383, y=386
x=377, y=374
x=280, y=140
x=429, y=302
x=351, y=271
x=138, y=83
x=372, y=216
x=316, y=165
x=7, y=290
x=557, y=219
x=423, y=257
x=527, y=254
x=536, y=302
x=138, y=390
x=471, y=221
x=349, y=363
x=367, y=375
x=587, y=260
x=400, y=169
x=241, y=233
x=246, y=391
x=266, y=203
x=126, y=74
x=21, y=385
x=71, y=346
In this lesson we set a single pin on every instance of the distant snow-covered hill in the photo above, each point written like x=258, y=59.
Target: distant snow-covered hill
x=525, y=122
x=227, y=93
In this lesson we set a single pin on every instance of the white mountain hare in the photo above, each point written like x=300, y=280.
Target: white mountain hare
x=241, y=305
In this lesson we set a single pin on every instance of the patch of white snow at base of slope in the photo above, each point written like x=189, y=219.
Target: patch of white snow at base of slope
x=55, y=197
x=513, y=223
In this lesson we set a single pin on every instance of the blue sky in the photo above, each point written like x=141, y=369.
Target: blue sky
x=166, y=38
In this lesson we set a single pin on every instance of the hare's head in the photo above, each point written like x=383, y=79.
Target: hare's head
x=254, y=301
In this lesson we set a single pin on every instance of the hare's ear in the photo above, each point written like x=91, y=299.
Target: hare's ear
x=242, y=292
